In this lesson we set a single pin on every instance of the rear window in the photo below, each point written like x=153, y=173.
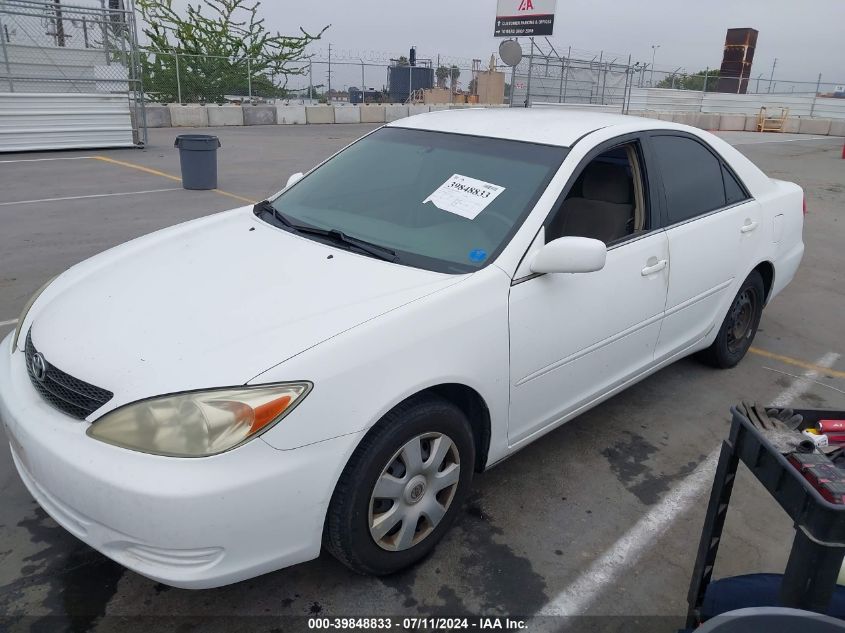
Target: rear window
x=692, y=177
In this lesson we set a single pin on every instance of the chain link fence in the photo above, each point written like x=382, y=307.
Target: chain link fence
x=47, y=47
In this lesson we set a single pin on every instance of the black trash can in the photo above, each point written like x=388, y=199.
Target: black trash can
x=198, y=159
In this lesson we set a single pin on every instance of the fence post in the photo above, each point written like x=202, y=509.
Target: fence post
x=106, y=35
x=178, y=78
x=626, y=102
x=816, y=94
x=249, y=77
x=566, y=77
x=604, y=82
x=704, y=89
x=530, y=69
x=6, y=57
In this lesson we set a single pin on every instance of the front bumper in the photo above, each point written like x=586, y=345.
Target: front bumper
x=191, y=523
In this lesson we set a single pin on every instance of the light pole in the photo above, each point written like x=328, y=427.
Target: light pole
x=654, y=48
x=772, y=76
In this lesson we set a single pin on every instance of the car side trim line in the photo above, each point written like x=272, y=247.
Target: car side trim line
x=590, y=349
x=714, y=290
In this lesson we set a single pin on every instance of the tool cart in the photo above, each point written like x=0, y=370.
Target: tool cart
x=815, y=503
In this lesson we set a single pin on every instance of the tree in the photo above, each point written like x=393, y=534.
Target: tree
x=454, y=73
x=402, y=61
x=691, y=82
x=442, y=73
x=221, y=46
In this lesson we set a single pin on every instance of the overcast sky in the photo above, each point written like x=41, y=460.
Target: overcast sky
x=806, y=37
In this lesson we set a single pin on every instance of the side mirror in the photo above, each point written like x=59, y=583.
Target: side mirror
x=570, y=255
x=295, y=178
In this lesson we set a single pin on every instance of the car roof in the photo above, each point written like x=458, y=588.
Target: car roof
x=548, y=125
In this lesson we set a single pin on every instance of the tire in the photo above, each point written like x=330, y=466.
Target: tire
x=357, y=514
x=740, y=325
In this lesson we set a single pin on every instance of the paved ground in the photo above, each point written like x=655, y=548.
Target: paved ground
x=601, y=518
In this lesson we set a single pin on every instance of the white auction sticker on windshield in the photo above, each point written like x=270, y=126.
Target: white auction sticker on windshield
x=464, y=196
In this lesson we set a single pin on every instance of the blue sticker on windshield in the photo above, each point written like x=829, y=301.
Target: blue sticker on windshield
x=478, y=255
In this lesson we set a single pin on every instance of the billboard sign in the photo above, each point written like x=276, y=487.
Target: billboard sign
x=524, y=18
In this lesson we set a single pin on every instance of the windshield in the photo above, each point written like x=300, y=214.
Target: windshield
x=443, y=202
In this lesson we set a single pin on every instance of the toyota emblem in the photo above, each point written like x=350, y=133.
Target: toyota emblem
x=38, y=366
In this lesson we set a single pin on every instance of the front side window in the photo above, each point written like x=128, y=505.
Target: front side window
x=692, y=177
x=607, y=201
x=443, y=202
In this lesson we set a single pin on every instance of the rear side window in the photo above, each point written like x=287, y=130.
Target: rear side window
x=733, y=190
x=692, y=177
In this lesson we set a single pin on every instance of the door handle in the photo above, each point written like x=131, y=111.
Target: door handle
x=654, y=268
x=748, y=226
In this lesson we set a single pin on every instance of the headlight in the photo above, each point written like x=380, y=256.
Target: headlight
x=198, y=424
x=25, y=311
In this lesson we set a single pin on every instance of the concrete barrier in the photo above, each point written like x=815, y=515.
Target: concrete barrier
x=195, y=115
x=820, y=127
x=319, y=114
x=372, y=114
x=837, y=128
x=219, y=116
x=347, y=114
x=685, y=118
x=157, y=115
x=290, y=115
x=188, y=115
x=394, y=112
x=708, y=121
x=259, y=115
x=733, y=122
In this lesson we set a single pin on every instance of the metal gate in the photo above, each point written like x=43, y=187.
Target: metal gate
x=69, y=75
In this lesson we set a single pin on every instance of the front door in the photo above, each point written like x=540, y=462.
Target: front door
x=574, y=337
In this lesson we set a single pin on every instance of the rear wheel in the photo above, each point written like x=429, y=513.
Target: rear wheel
x=402, y=488
x=740, y=325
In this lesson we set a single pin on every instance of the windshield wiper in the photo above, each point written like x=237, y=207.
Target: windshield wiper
x=335, y=235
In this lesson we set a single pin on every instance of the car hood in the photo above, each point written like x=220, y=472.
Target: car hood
x=213, y=302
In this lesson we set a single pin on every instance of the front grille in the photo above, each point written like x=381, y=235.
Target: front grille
x=70, y=395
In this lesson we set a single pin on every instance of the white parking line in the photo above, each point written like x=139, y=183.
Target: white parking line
x=93, y=195
x=9, y=322
x=41, y=160
x=626, y=552
x=805, y=381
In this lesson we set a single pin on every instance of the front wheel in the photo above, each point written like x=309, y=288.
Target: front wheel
x=740, y=325
x=402, y=487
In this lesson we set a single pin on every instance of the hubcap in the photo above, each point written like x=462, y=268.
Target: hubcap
x=741, y=324
x=414, y=491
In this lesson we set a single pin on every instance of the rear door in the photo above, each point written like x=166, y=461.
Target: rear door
x=712, y=225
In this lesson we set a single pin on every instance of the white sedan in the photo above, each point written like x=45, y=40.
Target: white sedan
x=329, y=368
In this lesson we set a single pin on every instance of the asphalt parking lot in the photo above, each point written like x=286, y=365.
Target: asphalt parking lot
x=601, y=518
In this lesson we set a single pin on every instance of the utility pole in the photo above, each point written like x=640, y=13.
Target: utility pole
x=654, y=48
x=60, y=24
x=329, y=89
x=772, y=76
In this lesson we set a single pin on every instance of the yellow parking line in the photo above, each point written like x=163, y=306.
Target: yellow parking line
x=824, y=371
x=156, y=172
